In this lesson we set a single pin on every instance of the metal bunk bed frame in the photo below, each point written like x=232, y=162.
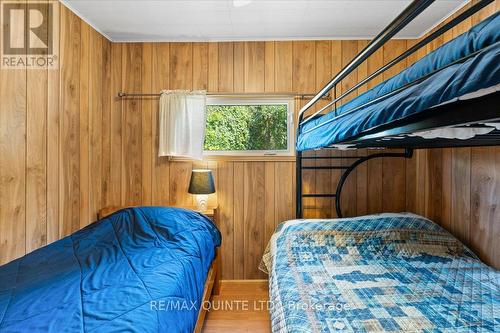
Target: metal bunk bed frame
x=461, y=112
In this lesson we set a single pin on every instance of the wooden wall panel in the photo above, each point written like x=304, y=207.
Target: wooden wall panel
x=374, y=167
x=269, y=77
x=132, y=125
x=106, y=128
x=458, y=187
x=147, y=124
x=84, y=112
x=349, y=49
x=304, y=80
x=446, y=187
x=283, y=56
x=304, y=66
x=433, y=190
x=362, y=170
x=213, y=66
x=200, y=66
x=225, y=195
x=161, y=167
x=53, y=144
x=254, y=66
x=336, y=67
x=284, y=193
x=485, y=211
x=180, y=173
x=36, y=159
x=50, y=141
x=13, y=121
x=269, y=200
x=113, y=173
x=99, y=150
x=238, y=221
x=70, y=122
x=96, y=85
x=239, y=67
x=226, y=67
x=393, y=175
x=254, y=181
x=181, y=66
x=106, y=104
x=323, y=179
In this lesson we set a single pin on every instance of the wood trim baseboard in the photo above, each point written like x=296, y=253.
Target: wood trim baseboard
x=244, y=281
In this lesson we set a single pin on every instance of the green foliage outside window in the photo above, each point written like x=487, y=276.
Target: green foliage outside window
x=246, y=127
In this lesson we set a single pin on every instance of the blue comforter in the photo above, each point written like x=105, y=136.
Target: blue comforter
x=138, y=270
x=481, y=71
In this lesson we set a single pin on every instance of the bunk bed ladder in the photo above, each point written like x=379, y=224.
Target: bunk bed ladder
x=346, y=171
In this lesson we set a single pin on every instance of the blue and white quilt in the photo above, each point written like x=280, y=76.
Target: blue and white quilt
x=388, y=272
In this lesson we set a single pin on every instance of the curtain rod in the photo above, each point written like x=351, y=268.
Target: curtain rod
x=302, y=96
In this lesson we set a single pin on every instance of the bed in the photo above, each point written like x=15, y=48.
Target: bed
x=387, y=272
x=391, y=272
x=449, y=98
x=466, y=69
x=141, y=269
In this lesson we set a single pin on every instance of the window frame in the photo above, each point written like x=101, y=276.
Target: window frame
x=256, y=100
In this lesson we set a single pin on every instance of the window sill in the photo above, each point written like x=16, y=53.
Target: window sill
x=224, y=158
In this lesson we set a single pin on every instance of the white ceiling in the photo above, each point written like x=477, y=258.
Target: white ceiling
x=221, y=20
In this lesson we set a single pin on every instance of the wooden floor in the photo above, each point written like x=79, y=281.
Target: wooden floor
x=240, y=307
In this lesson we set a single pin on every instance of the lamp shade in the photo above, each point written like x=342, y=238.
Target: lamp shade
x=202, y=182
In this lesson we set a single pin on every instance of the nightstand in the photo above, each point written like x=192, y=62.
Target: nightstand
x=211, y=214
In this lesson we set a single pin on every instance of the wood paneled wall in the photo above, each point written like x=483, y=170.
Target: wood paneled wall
x=460, y=187
x=89, y=149
x=253, y=196
x=51, y=123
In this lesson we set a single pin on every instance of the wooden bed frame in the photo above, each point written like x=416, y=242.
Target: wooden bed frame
x=212, y=283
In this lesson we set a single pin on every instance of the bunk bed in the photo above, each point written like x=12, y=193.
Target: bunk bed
x=449, y=98
x=392, y=272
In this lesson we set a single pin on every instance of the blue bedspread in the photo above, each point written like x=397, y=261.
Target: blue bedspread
x=479, y=72
x=388, y=272
x=139, y=270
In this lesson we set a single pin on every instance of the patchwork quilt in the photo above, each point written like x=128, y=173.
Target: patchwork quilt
x=388, y=272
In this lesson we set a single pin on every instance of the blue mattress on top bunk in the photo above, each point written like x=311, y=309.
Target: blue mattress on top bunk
x=139, y=270
x=480, y=71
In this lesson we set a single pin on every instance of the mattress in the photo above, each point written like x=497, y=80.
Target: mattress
x=387, y=272
x=471, y=65
x=138, y=270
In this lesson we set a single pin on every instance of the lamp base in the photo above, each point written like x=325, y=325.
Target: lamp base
x=201, y=202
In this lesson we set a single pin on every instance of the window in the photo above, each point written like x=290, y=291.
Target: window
x=249, y=127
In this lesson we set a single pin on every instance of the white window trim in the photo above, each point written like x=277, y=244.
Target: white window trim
x=252, y=101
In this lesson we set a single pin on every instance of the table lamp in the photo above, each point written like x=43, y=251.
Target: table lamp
x=201, y=185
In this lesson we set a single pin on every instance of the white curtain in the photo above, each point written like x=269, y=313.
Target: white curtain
x=182, y=123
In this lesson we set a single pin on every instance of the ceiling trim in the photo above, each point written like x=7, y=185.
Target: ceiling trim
x=86, y=20
x=460, y=6
x=250, y=39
